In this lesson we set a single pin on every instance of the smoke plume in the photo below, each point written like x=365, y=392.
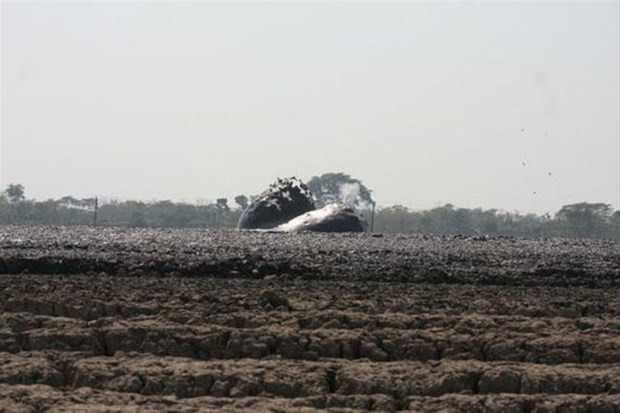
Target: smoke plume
x=349, y=194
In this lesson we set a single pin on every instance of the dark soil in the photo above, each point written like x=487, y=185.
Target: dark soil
x=114, y=320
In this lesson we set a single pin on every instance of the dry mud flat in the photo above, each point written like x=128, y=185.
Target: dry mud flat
x=161, y=320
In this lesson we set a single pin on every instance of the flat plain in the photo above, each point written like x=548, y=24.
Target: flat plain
x=123, y=320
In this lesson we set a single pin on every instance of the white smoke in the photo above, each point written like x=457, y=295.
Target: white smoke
x=329, y=215
x=349, y=194
x=308, y=219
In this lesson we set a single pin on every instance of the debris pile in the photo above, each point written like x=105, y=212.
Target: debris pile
x=287, y=205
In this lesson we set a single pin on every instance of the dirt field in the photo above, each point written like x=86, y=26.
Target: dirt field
x=112, y=320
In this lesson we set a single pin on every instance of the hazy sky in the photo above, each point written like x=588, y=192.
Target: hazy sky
x=508, y=105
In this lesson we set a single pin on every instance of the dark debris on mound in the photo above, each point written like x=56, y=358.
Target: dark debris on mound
x=282, y=201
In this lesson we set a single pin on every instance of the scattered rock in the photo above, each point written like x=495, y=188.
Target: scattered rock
x=275, y=300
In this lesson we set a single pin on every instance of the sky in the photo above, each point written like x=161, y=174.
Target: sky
x=507, y=105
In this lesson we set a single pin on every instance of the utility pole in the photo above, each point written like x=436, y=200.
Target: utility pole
x=96, y=210
x=372, y=217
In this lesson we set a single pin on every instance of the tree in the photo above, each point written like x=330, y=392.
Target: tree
x=46, y=212
x=339, y=187
x=88, y=203
x=137, y=216
x=6, y=211
x=437, y=220
x=221, y=203
x=69, y=202
x=614, y=224
x=397, y=219
x=460, y=221
x=585, y=219
x=484, y=222
x=15, y=193
x=242, y=201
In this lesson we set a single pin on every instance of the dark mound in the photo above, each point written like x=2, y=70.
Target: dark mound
x=283, y=201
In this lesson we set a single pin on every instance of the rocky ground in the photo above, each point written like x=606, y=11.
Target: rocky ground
x=113, y=320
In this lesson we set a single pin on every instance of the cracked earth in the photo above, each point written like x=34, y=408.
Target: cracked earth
x=117, y=320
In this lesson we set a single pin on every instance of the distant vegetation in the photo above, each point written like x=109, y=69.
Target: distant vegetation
x=582, y=220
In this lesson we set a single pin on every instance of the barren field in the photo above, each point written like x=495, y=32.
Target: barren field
x=116, y=320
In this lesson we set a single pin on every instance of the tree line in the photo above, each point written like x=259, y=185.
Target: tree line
x=580, y=220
